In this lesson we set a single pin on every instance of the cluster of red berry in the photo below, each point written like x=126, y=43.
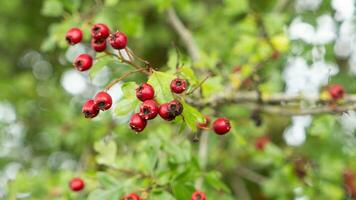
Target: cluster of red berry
x=100, y=34
x=149, y=108
x=102, y=101
x=77, y=184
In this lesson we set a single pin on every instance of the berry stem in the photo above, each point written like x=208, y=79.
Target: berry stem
x=199, y=85
x=113, y=82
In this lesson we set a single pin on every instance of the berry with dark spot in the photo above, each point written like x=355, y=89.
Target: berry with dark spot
x=165, y=112
x=74, y=36
x=178, y=85
x=175, y=107
x=100, y=31
x=221, y=126
x=118, y=40
x=204, y=124
x=99, y=45
x=103, y=101
x=145, y=92
x=198, y=196
x=137, y=123
x=132, y=196
x=83, y=62
x=89, y=109
x=336, y=91
x=149, y=109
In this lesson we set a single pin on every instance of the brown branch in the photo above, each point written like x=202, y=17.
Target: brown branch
x=113, y=82
x=183, y=33
x=250, y=175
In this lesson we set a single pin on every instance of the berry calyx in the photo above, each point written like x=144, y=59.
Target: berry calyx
x=336, y=91
x=83, y=62
x=261, y=142
x=89, y=109
x=175, y=107
x=118, y=40
x=137, y=123
x=221, y=126
x=99, y=45
x=100, y=31
x=149, y=109
x=103, y=101
x=178, y=85
x=74, y=36
x=145, y=92
x=198, y=196
x=132, y=196
x=76, y=184
x=165, y=112
x=204, y=124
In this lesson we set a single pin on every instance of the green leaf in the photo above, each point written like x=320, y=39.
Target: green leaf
x=99, y=65
x=213, y=179
x=106, y=152
x=106, y=180
x=161, y=195
x=112, y=194
x=212, y=86
x=161, y=83
x=128, y=102
x=181, y=190
x=52, y=8
x=192, y=116
x=188, y=74
x=129, y=89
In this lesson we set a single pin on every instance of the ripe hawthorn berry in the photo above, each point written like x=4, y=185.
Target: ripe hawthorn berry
x=221, y=126
x=336, y=91
x=149, y=109
x=83, y=62
x=100, y=31
x=165, y=112
x=145, y=92
x=132, y=196
x=76, y=184
x=103, y=101
x=137, y=123
x=178, y=85
x=261, y=142
x=89, y=109
x=118, y=40
x=204, y=124
x=176, y=107
x=99, y=45
x=74, y=36
x=198, y=196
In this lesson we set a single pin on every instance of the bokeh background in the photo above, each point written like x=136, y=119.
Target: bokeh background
x=45, y=140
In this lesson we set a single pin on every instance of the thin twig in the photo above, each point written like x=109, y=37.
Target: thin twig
x=112, y=83
x=198, y=86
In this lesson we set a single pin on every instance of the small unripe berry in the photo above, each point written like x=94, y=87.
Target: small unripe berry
x=336, y=91
x=118, y=40
x=261, y=142
x=76, y=184
x=178, y=85
x=221, y=126
x=204, y=124
x=83, y=62
x=99, y=45
x=149, y=109
x=132, y=196
x=100, y=31
x=165, y=112
x=145, y=92
x=137, y=123
x=74, y=36
x=198, y=196
x=103, y=100
x=176, y=107
x=89, y=109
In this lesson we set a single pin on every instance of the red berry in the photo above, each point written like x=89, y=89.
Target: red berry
x=237, y=69
x=145, y=92
x=204, y=124
x=137, y=123
x=100, y=31
x=178, y=85
x=221, y=126
x=175, y=107
x=103, y=100
x=261, y=142
x=83, y=62
x=165, y=112
x=149, y=109
x=89, y=109
x=198, y=196
x=99, y=45
x=336, y=91
x=118, y=40
x=74, y=36
x=76, y=184
x=132, y=196
x=349, y=180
